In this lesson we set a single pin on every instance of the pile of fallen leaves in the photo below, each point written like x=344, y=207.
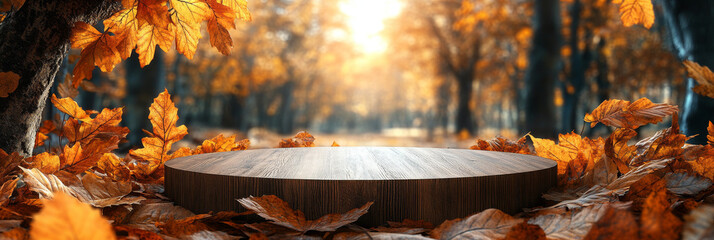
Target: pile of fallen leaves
x=657, y=188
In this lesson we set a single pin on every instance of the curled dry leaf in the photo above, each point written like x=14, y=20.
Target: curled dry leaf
x=500, y=144
x=657, y=220
x=699, y=223
x=623, y=114
x=8, y=83
x=222, y=144
x=279, y=212
x=301, y=139
x=703, y=76
x=667, y=143
x=618, y=151
x=571, y=225
x=488, y=224
x=64, y=217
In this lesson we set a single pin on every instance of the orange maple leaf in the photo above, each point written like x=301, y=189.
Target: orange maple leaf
x=97, y=49
x=279, y=212
x=623, y=114
x=163, y=116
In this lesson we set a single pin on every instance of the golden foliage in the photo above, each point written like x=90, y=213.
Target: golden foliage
x=64, y=217
x=143, y=24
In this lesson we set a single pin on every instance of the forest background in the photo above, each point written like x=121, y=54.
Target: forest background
x=399, y=73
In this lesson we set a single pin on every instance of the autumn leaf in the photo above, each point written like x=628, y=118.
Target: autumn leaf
x=71, y=108
x=334, y=144
x=488, y=224
x=187, y=15
x=683, y=183
x=8, y=83
x=148, y=37
x=500, y=144
x=64, y=217
x=699, y=223
x=279, y=212
x=570, y=147
x=114, y=167
x=666, y=143
x=641, y=189
x=103, y=192
x=635, y=12
x=571, y=225
x=6, y=190
x=9, y=163
x=618, y=151
x=45, y=185
x=301, y=139
x=240, y=7
x=45, y=162
x=614, y=224
x=525, y=231
x=219, y=22
x=703, y=76
x=657, y=221
x=222, y=144
x=623, y=114
x=97, y=49
x=163, y=116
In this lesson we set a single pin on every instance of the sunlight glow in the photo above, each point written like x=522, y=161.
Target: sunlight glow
x=365, y=19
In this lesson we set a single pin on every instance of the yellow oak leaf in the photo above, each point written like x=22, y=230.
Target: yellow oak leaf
x=71, y=108
x=64, y=217
x=240, y=7
x=637, y=11
x=149, y=37
x=97, y=49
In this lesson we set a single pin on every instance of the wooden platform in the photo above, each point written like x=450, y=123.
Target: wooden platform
x=417, y=183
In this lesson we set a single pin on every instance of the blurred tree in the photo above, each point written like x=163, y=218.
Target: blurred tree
x=692, y=34
x=543, y=68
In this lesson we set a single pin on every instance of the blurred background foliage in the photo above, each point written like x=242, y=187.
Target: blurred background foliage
x=407, y=73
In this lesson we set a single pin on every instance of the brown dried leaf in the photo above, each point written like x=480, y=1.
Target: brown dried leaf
x=614, y=224
x=489, y=224
x=525, y=231
x=618, y=151
x=683, y=183
x=500, y=144
x=623, y=114
x=571, y=225
x=699, y=223
x=279, y=212
x=657, y=221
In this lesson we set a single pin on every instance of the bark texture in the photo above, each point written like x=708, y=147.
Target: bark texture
x=33, y=41
x=542, y=71
x=689, y=23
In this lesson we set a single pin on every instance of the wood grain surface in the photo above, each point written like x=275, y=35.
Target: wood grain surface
x=417, y=183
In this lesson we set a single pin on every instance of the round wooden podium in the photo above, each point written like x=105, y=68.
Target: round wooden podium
x=416, y=183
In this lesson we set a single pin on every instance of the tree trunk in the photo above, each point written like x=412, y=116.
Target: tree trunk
x=464, y=120
x=143, y=85
x=542, y=69
x=33, y=41
x=692, y=34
